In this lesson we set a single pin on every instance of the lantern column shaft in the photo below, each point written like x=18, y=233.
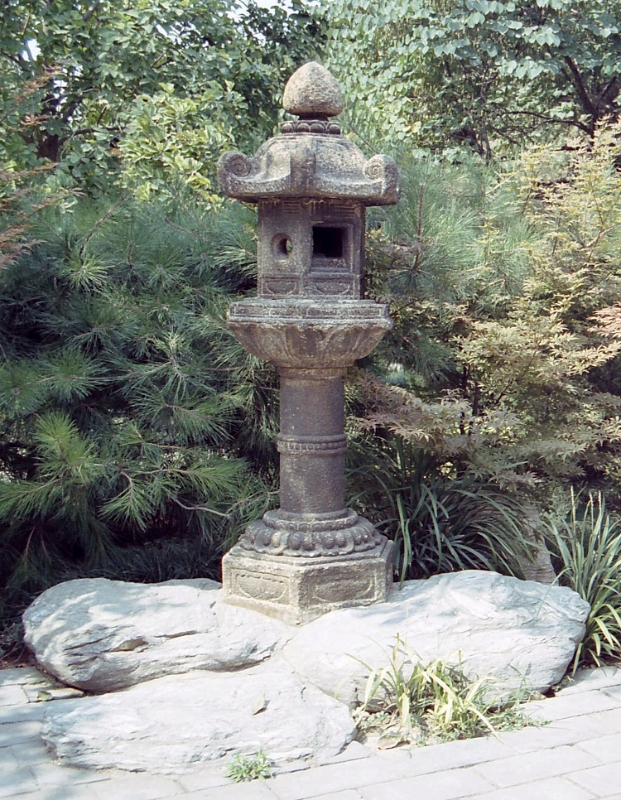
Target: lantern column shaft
x=312, y=442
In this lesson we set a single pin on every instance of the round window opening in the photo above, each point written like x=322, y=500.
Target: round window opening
x=283, y=245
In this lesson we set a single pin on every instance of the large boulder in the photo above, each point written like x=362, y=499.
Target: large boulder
x=103, y=635
x=173, y=723
x=521, y=633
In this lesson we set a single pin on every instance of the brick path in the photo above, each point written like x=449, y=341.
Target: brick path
x=575, y=757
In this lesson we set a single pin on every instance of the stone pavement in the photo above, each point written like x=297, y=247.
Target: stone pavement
x=577, y=756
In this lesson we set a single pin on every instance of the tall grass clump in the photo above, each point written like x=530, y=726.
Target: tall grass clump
x=586, y=546
x=407, y=701
x=438, y=523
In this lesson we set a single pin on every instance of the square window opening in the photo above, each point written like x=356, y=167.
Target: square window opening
x=328, y=242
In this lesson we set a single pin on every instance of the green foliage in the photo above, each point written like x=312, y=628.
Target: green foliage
x=498, y=388
x=487, y=74
x=249, y=767
x=19, y=201
x=211, y=71
x=438, y=523
x=586, y=545
x=124, y=399
x=408, y=702
x=167, y=147
x=503, y=361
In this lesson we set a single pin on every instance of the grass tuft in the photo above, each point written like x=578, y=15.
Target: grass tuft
x=586, y=546
x=249, y=767
x=406, y=702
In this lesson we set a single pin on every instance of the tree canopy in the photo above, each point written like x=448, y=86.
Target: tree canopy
x=82, y=75
x=482, y=72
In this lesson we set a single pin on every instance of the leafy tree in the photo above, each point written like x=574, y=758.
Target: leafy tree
x=99, y=65
x=20, y=201
x=486, y=73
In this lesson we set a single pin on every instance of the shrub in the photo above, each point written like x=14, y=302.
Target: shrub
x=438, y=523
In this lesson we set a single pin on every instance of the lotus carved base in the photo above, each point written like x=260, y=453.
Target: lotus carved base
x=309, y=335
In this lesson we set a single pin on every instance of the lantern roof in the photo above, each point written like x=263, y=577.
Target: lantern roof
x=310, y=158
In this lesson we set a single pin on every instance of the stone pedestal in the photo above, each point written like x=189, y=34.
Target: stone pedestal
x=297, y=590
x=313, y=554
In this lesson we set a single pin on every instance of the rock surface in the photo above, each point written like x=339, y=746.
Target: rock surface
x=171, y=724
x=521, y=633
x=103, y=635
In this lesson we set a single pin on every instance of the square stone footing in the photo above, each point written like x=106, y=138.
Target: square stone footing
x=297, y=590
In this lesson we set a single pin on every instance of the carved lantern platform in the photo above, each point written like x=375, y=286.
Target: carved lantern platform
x=312, y=186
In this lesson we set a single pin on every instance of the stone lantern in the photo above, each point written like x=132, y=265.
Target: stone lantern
x=311, y=185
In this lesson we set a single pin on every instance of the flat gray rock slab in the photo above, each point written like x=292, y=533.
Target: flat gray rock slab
x=102, y=635
x=521, y=633
x=171, y=724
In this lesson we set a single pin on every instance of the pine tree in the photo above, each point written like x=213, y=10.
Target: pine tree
x=124, y=401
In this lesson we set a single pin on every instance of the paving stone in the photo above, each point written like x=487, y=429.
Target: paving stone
x=612, y=691
x=400, y=757
x=255, y=790
x=16, y=782
x=16, y=732
x=22, y=713
x=348, y=794
x=203, y=779
x=564, y=731
x=12, y=695
x=55, y=775
x=572, y=706
x=603, y=780
x=31, y=752
x=457, y=754
x=61, y=793
x=606, y=748
x=546, y=789
x=8, y=759
x=437, y=786
x=604, y=722
x=352, y=752
x=137, y=787
x=21, y=675
x=534, y=766
x=293, y=766
x=590, y=679
x=334, y=778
